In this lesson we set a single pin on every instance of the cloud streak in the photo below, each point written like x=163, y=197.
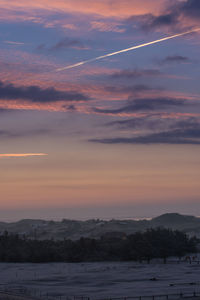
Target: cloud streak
x=127, y=49
x=146, y=104
x=185, y=131
x=136, y=73
x=175, y=59
x=21, y=155
x=13, y=43
x=37, y=94
x=189, y=136
x=64, y=44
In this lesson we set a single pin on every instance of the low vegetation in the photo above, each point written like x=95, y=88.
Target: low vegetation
x=154, y=243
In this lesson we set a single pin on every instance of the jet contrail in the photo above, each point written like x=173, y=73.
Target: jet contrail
x=126, y=50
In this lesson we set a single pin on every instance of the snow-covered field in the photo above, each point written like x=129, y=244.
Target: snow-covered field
x=102, y=280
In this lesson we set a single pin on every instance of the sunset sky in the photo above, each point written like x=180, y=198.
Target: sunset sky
x=114, y=138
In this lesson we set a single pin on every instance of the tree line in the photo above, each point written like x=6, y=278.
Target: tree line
x=140, y=246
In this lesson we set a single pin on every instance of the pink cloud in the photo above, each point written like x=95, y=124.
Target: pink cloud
x=21, y=155
x=39, y=11
x=106, y=8
x=107, y=26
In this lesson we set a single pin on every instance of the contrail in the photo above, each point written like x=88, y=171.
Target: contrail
x=126, y=50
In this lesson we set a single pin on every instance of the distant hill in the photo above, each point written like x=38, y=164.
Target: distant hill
x=175, y=220
x=72, y=229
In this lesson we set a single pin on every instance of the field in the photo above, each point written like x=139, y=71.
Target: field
x=101, y=280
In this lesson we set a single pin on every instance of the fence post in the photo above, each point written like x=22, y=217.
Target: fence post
x=194, y=294
x=167, y=297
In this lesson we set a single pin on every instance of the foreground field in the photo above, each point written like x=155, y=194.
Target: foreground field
x=101, y=280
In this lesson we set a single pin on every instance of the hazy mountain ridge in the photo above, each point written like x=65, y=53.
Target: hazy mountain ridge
x=72, y=229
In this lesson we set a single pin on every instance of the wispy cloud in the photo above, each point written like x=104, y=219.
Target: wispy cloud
x=181, y=14
x=158, y=131
x=13, y=134
x=146, y=104
x=107, y=26
x=37, y=94
x=175, y=59
x=189, y=136
x=64, y=44
x=13, y=43
x=136, y=73
x=21, y=155
x=105, y=8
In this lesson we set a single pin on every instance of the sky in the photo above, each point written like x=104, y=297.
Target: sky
x=113, y=138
